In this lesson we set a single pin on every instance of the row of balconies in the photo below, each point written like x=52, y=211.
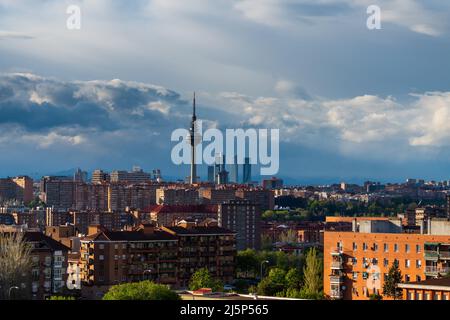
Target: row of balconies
x=437, y=270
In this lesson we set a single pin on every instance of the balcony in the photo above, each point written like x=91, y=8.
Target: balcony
x=444, y=255
x=337, y=279
x=431, y=255
x=336, y=294
x=338, y=265
x=432, y=270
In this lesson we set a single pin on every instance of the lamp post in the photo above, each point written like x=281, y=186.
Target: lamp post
x=9, y=292
x=145, y=271
x=262, y=264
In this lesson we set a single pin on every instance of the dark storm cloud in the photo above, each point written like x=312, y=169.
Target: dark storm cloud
x=40, y=104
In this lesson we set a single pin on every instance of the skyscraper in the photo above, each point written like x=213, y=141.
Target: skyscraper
x=247, y=171
x=234, y=171
x=193, y=143
x=211, y=174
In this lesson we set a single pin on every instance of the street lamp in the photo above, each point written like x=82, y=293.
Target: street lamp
x=145, y=271
x=262, y=264
x=9, y=293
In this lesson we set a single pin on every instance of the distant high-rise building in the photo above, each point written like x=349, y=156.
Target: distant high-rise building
x=222, y=177
x=247, y=171
x=273, y=183
x=234, y=171
x=80, y=176
x=244, y=218
x=18, y=188
x=193, y=142
x=98, y=176
x=135, y=176
x=211, y=174
x=58, y=191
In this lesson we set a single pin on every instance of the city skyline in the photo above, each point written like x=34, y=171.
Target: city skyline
x=380, y=116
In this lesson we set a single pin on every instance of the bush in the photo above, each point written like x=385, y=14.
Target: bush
x=144, y=290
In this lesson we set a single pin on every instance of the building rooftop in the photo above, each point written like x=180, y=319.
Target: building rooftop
x=165, y=208
x=140, y=235
x=198, y=230
x=45, y=241
x=430, y=284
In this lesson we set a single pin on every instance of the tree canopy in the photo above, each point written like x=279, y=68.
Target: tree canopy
x=203, y=279
x=143, y=290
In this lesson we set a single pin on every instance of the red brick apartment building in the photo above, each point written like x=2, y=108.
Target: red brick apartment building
x=49, y=263
x=356, y=263
x=168, y=255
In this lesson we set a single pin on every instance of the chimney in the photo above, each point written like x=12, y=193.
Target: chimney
x=148, y=228
x=94, y=228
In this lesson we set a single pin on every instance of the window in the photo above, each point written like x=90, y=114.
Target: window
x=101, y=246
x=364, y=246
x=395, y=247
x=407, y=263
x=418, y=278
x=418, y=264
x=418, y=248
x=355, y=246
x=354, y=261
x=427, y=296
x=101, y=257
x=386, y=262
x=386, y=247
x=407, y=248
x=436, y=296
x=375, y=261
x=375, y=247
x=355, y=276
x=116, y=246
x=407, y=277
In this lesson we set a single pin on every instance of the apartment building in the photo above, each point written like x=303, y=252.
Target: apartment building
x=33, y=218
x=216, y=195
x=138, y=196
x=83, y=219
x=244, y=218
x=264, y=198
x=91, y=196
x=49, y=263
x=17, y=188
x=175, y=196
x=168, y=215
x=112, y=257
x=213, y=248
x=58, y=192
x=356, y=263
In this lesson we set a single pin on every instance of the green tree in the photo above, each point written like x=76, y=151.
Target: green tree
x=375, y=296
x=266, y=242
x=312, y=274
x=273, y=284
x=393, y=278
x=293, y=279
x=203, y=279
x=247, y=262
x=143, y=290
x=289, y=236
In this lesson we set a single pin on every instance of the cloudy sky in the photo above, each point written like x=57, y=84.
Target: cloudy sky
x=351, y=103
